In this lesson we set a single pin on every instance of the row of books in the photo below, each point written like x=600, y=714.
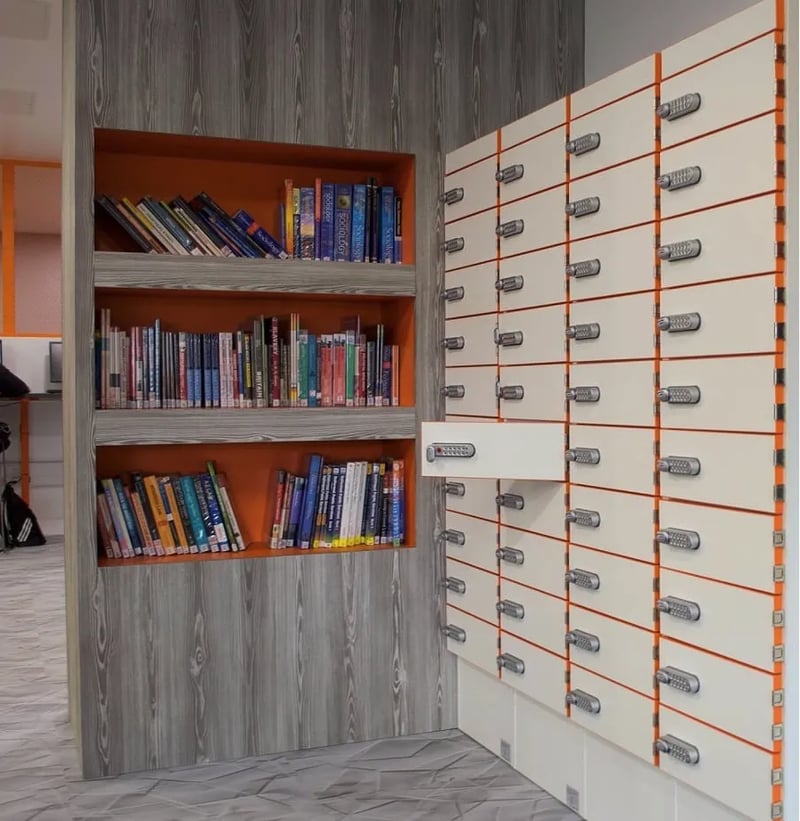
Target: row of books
x=340, y=505
x=166, y=515
x=272, y=363
x=342, y=222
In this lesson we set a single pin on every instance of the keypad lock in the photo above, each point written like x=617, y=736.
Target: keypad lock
x=508, y=339
x=505, y=661
x=453, y=343
x=453, y=294
x=679, y=539
x=679, y=465
x=511, y=392
x=583, y=456
x=584, y=207
x=583, y=701
x=458, y=634
x=584, y=268
x=510, y=555
x=679, y=107
x=512, y=609
x=679, y=395
x=584, y=518
x=449, y=450
x=679, y=323
x=508, y=284
x=454, y=391
x=453, y=196
x=584, y=393
x=510, y=228
x=678, y=680
x=511, y=173
x=510, y=500
x=679, y=608
x=676, y=251
x=455, y=585
x=455, y=488
x=678, y=749
x=682, y=178
x=583, y=144
x=588, y=330
x=455, y=537
x=453, y=245
x=583, y=578
x=583, y=641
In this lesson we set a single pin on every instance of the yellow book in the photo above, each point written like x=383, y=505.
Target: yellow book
x=160, y=515
x=183, y=540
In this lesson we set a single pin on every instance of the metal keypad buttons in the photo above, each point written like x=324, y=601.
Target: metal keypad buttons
x=450, y=450
x=584, y=268
x=458, y=634
x=584, y=207
x=453, y=196
x=583, y=640
x=511, y=173
x=682, y=178
x=455, y=489
x=455, y=585
x=584, y=393
x=510, y=500
x=455, y=537
x=453, y=343
x=511, y=392
x=583, y=456
x=509, y=339
x=453, y=391
x=679, y=465
x=508, y=284
x=510, y=555
x=679, y=539
x=676, y=251
x=583, y=144
x=453, y=245
x=679, y=608
x=679, y=107
x=678, y=680
x=583, y=578
x=510, y=228
x=453, y=294
x=514, y=664
x=583, y=701
x=583, y=517
x=587, y=330
x=679, y=323
x=677, y=748
x=680, y=394
x=512, y=609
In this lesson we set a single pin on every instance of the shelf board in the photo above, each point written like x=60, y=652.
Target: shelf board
x=207, y=273
x=254, y=551
x=231, y=425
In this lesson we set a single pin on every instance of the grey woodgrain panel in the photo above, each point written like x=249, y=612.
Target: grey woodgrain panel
x=197, y=426
x=115, y=270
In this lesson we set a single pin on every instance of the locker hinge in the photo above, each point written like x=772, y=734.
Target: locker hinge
x=777, y=732
x=655, y=448
x=780, y=131
x=566, y=500
x=780, y=213
x=566, y=619
x=780, y=249
x=780, y=92
x=780, y=413
x=778, y=618
x=780, y=169
x=656, y=586
x=780, y=376
x=777, y=810
x=655, y=653
x=780, y=52
x=655, y=515
x=566, y=677
x=777, y=776
x=780, y=296
x=777, y=652
x=779, y=458
x=779, y=573
x=780, y=330
x=778, y=538
x=777, y=698
x=655, y=720
x=779, y=493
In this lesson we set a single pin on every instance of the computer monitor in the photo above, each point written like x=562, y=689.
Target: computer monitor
x=55, y=366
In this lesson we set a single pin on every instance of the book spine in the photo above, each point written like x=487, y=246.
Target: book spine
x=313, y=371
x=294, y=513
x=318, y=218
x=200, y=536
x=259, y=235
x=342, y=222
x=138, y=483
x=307, y=223
x=215, y=513
x=171, y=514
x=396, y=528
x=231, y=228
x=181, y=534
x=333, y=502
x=225, y=500
x=183, y=512
x=286, y=507
x=310, y=502
x=387, y=224
x=302, y=369
x=128, y=517
x=138, y=511
x=165, y=218
x=106, y=525
x=374, y=255
x=398, y=229
x=327, y=220
x=350, y=369
x=226, y=522
x=205, y=514
x=280, y=490
x=319, y=513
x=133, y=231
x=159, y=515
x=117, y=519
x=359, y=223
x=288, y=214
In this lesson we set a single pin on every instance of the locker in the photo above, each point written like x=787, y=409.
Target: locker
x=532, y=166
x=531, y=336
x=534, y=222
x=471, y=391
x=471, y=639
x=729, y=621
x=533, y=616
x=628, y=80
x=470, y=190
x=613, y=328
x=533, y=279
x=473, y=496
x=470, y=291
x=612, y=393
x=543, y=507
x=541, y=675
x=470, y=240
x=471, y=153
x=612, y=649
x=621, y=588
x=535, y=124
x=471, y=540
x=533, y=392
x=533, y=560
x=472, y=590
x=470, y=340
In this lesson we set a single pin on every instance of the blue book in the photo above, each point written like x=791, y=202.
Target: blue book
x=193, y=512
x=294, y=511
x=343, y=216
x=262, y=238
x=205, y=514
x=398, y=229
x=333, y=496
x=130, y=520
x=198, y=370
x=326, y=220
x=215, y=387
x=215, y=512
x=313, y=371
x=386, y=225
x=357, y=244
x=307, y=222
x=282, y=210
x=309, y=502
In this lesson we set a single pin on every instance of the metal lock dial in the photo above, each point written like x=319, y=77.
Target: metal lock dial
x=679, y=539
x=679, y=395
x=453, y=196
x=677, y=748
x=453, y=294
x=587, y=330
x=584, y=518
x=454, y=391
x=453, y=450
x=678, y=680
x=505, y=661
x=455, y=537
x=455, y=488
x=679, y=107
x=676, y=251
x=508, y=284
x=511, y=173
x=512, y=609
x=682, y=178
x=584, y=393
x=509, y=339
x=583, y=144
x=458, y=634
x=455, y=585
x=583, y=578
x=584, y=207
x=510, y=500
x=583, y=456
x=679, y=323
x=453, y=245
x=679, y=608
x=510, y=228
x=511, y=392
x=583, y=701
x=679, y=465
x=583, y=641
x=510, y=555
x=584, y=268
x=453, y=343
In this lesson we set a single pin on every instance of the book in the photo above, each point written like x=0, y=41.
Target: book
x=343, y=222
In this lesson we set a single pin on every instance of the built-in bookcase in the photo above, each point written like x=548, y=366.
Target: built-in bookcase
x=212, y=294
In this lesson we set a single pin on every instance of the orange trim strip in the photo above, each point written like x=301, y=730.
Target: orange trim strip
x=610, y=553
x=626, y=161
x=470, y=164
x=528, y=587
x=717, y=728
x=30, y=163
x=612, y=102
x=472, y=615
x=471, y=214
x=742, y=587
x=532, y=194
x=472, y=515
x=8, y=253
x=538, y=533
x=603, y=676
x=531, y=643
x=719, y=54
x=716, y=655
x=721, y=128
x=473, y=566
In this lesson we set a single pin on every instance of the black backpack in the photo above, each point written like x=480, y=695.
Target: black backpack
x=19, y=523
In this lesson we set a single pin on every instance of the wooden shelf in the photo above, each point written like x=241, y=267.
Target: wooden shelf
x=225, y=426
x=255, y=551
x=166, y=272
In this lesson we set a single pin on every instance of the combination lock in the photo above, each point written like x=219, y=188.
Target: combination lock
x=676, y=251
x=453, y=196
x=584, y=268
x=513, y=172
x=679, y=465
x=510, y=228
x=509, y=392
x=676, y=748
x=584, y=393
x=682, y=178
x=453, y=245
x=680, y=395
x=455, y=585
x=453, y=294
x=679, y=107
x=582, y=517
x=458, y=450
x=583, y=578
x=588, y=330
x=510, y=500
x=453, y=343
x=509, y=339
x=455, y=537
x=583, y=144
x=507, y=284
x=453, y=391
x=678, y=680
x=506, y=661
x=455, y=488
x=679, y=608
x=512, y=609
x=583, y=641
x=583, y=701
x=584, y=207
x=679, y=539
x=679, y=323
x=458, y=634
x=583, y=456
x=510, y=555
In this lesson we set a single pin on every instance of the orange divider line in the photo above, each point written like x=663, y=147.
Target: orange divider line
x=535, y=136
x=8, y=253
x=611, y=680
x=535, y=193
x=610, y=616
x=718, y=130
x=716, y=655
x=473, y=566
x=468, y=165
x=742, y=587
x=612, y=102
x=471, y=214
x=717, y=728
x=526, y=530
x=610, y=553
x=531, y=643
x=626, y=161
x=472, y=615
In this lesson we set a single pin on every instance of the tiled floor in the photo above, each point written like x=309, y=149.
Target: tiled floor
x=438, y=776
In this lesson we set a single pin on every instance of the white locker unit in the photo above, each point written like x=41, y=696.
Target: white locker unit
x=614, y=526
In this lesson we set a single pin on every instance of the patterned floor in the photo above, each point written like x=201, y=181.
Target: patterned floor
x=441, y=776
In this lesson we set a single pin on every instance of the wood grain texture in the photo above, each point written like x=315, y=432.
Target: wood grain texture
x=198, y=426
x=115, y=270
x=212, y=660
